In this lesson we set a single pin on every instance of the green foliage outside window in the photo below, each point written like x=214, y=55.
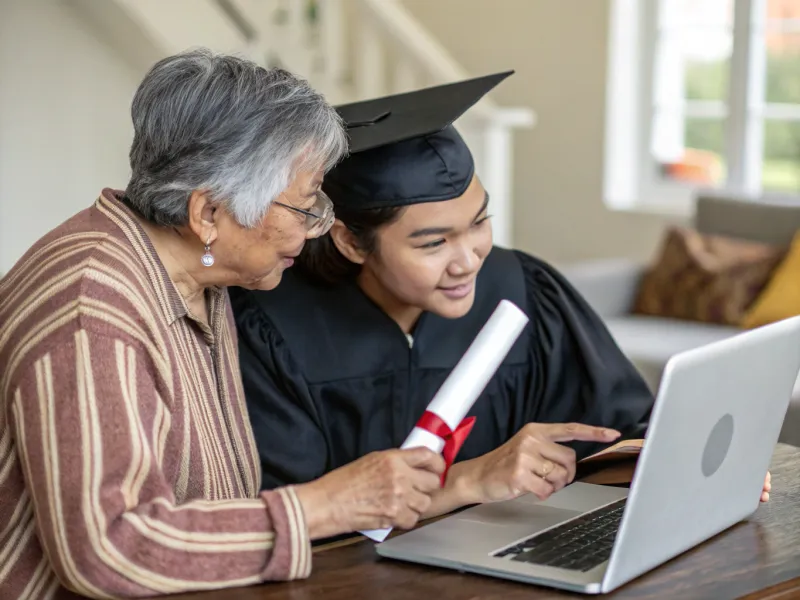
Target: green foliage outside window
x=709, y=81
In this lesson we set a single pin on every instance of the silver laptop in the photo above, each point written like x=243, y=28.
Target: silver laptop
x=712, y=432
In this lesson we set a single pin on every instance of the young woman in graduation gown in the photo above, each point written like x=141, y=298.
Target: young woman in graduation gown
x=344, y=357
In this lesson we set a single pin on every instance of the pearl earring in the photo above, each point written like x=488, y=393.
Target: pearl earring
x=207, y=259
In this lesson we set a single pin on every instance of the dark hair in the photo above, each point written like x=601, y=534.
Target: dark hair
x=321, y=259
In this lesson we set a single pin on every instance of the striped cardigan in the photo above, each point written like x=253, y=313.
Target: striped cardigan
x=127, y=465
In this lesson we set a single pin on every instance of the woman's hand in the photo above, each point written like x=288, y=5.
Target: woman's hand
x=530, y=462
x=382, y=489
x=767, y=487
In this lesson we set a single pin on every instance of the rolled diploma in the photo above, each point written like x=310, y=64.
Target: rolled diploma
x=467, y=380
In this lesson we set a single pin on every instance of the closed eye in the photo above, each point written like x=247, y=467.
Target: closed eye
x=439, y=242
x=433, y=244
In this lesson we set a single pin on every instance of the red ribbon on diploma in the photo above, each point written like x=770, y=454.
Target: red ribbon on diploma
x=453, y=440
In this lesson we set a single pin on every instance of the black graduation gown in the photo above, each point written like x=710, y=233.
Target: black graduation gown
x=329, y=377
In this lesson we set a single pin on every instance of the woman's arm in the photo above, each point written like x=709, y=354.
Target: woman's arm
x=90, y=428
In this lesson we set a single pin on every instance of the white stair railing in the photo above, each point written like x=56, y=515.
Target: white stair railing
x=389, y=52
x=396, y=54
x=348, y=49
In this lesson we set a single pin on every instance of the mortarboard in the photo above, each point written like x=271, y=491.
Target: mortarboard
x=404, y=149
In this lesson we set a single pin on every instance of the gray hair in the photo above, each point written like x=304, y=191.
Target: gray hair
x=223, y=124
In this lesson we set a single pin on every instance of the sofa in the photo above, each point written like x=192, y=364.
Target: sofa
x=610, y=286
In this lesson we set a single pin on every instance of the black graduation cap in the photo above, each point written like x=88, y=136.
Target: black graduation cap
x=404, y=148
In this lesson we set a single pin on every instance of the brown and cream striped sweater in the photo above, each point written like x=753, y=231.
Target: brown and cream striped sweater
x=127, y=466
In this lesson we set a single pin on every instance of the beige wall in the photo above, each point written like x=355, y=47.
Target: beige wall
x=558, y=49
x=64, y=124
x=65, y=92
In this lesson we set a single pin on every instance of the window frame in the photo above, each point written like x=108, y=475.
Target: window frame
x=632, y=180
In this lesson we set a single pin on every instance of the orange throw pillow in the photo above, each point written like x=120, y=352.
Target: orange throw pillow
x=707, y=278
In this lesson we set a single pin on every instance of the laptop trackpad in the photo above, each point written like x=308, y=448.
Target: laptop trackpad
x=487, y=527
x=530, y=516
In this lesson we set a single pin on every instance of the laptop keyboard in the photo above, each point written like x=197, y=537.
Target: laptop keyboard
x=579, y=545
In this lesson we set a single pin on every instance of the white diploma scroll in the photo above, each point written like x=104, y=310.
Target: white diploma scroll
x=467, y=380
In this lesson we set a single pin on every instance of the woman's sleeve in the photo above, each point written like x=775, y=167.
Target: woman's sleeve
x=88, y=424
x=578, y=371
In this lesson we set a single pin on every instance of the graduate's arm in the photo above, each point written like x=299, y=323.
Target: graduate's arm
x=578, y=372
x=391, y=488
x=290, y=440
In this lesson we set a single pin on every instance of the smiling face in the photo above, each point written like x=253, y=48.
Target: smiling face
x=428, y=258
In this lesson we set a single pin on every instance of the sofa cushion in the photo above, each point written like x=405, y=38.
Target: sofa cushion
x=657, y=339
x=706, y=278
x=649, y=342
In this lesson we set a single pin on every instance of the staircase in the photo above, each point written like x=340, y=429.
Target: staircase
x=348, y=49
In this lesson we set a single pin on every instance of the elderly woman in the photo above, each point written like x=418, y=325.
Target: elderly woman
x=127, y=463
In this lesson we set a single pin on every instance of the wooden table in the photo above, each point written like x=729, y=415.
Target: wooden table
x=759, y=558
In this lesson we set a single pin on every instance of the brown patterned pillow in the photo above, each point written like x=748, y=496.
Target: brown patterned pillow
x=707, y=278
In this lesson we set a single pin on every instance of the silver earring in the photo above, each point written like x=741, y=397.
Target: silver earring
x=207, y=259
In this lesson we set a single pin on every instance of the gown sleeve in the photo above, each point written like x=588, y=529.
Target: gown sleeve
x=288, y=433
x=578, y=371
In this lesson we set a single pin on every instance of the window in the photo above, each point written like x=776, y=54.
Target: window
x=717, y=86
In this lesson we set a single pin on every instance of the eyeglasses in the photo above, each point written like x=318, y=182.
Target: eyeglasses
x=320, y=218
